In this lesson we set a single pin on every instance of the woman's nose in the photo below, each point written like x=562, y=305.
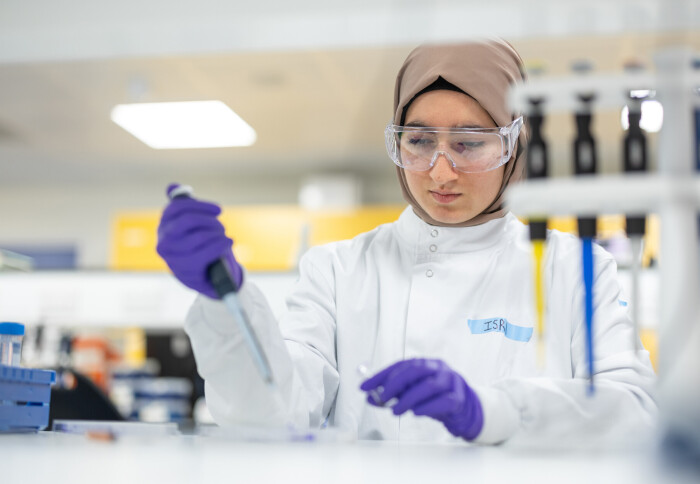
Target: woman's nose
x=442, y=170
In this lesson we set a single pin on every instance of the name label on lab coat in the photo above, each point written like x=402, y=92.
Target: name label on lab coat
x=500, y=325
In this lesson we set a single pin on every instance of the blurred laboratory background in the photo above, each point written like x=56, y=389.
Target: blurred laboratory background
x=81, y=193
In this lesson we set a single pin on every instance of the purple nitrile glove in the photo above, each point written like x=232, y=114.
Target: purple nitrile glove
x=190, y=238
x=431, y=388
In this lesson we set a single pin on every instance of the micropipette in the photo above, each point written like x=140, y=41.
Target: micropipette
x=537, y=167
x=585, y=164
x=220, y=277
x=635, y=160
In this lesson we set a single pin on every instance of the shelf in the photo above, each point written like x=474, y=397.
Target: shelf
x=597, y=195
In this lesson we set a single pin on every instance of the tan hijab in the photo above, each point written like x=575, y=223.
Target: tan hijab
x=484, y=71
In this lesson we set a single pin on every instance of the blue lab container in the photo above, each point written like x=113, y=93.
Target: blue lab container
x=25, y=395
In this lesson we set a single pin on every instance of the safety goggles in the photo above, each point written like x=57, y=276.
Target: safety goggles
x=469, y=150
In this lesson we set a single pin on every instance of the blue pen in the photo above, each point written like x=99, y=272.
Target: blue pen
x=225, y=286
x=585, y=163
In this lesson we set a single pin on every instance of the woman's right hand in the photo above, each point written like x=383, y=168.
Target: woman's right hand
x=190, y=238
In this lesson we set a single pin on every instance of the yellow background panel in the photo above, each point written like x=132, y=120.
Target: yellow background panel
x=134, y=239
x=265, y=238
x=562, y=224
x=608, y=225
x=270, y=237
x=329, y=226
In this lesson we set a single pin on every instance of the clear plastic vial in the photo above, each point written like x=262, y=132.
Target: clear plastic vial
x=11, y=335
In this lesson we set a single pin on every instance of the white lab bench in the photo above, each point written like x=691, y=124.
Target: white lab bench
x=49, y=457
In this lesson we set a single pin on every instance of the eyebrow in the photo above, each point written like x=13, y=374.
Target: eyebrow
x=419, y=124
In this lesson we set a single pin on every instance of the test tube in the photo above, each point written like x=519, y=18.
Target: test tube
x=11, y=335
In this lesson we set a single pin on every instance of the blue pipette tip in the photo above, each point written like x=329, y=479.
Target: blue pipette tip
x=588, y=305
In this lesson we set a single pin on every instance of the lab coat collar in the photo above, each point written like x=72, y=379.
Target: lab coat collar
x=413, y=230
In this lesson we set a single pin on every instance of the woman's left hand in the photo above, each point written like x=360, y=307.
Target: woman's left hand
x=431, y=388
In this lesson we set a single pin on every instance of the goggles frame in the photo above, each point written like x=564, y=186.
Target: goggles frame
x=508, y=135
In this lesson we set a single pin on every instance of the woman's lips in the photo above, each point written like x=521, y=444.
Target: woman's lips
x=444, y=197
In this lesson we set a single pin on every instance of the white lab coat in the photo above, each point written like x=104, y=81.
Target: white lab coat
x=408, y=289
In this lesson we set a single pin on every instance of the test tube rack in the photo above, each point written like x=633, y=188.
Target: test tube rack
x=673, y=192
x=25, y=396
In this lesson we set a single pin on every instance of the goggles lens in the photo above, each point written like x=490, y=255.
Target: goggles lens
x=468, y=150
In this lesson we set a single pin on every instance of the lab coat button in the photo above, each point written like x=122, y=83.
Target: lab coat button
x=434, y=233
x=429, y=273
x=433, y=248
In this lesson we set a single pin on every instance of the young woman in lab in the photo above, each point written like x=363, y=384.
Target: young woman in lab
x=438, y=305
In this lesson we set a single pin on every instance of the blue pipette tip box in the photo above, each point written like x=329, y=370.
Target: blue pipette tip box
x=25, y=396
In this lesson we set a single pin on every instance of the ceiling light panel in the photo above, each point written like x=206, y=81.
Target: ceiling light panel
x=180, y=125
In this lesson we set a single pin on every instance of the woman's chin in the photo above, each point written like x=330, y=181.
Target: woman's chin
x=446, y=216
